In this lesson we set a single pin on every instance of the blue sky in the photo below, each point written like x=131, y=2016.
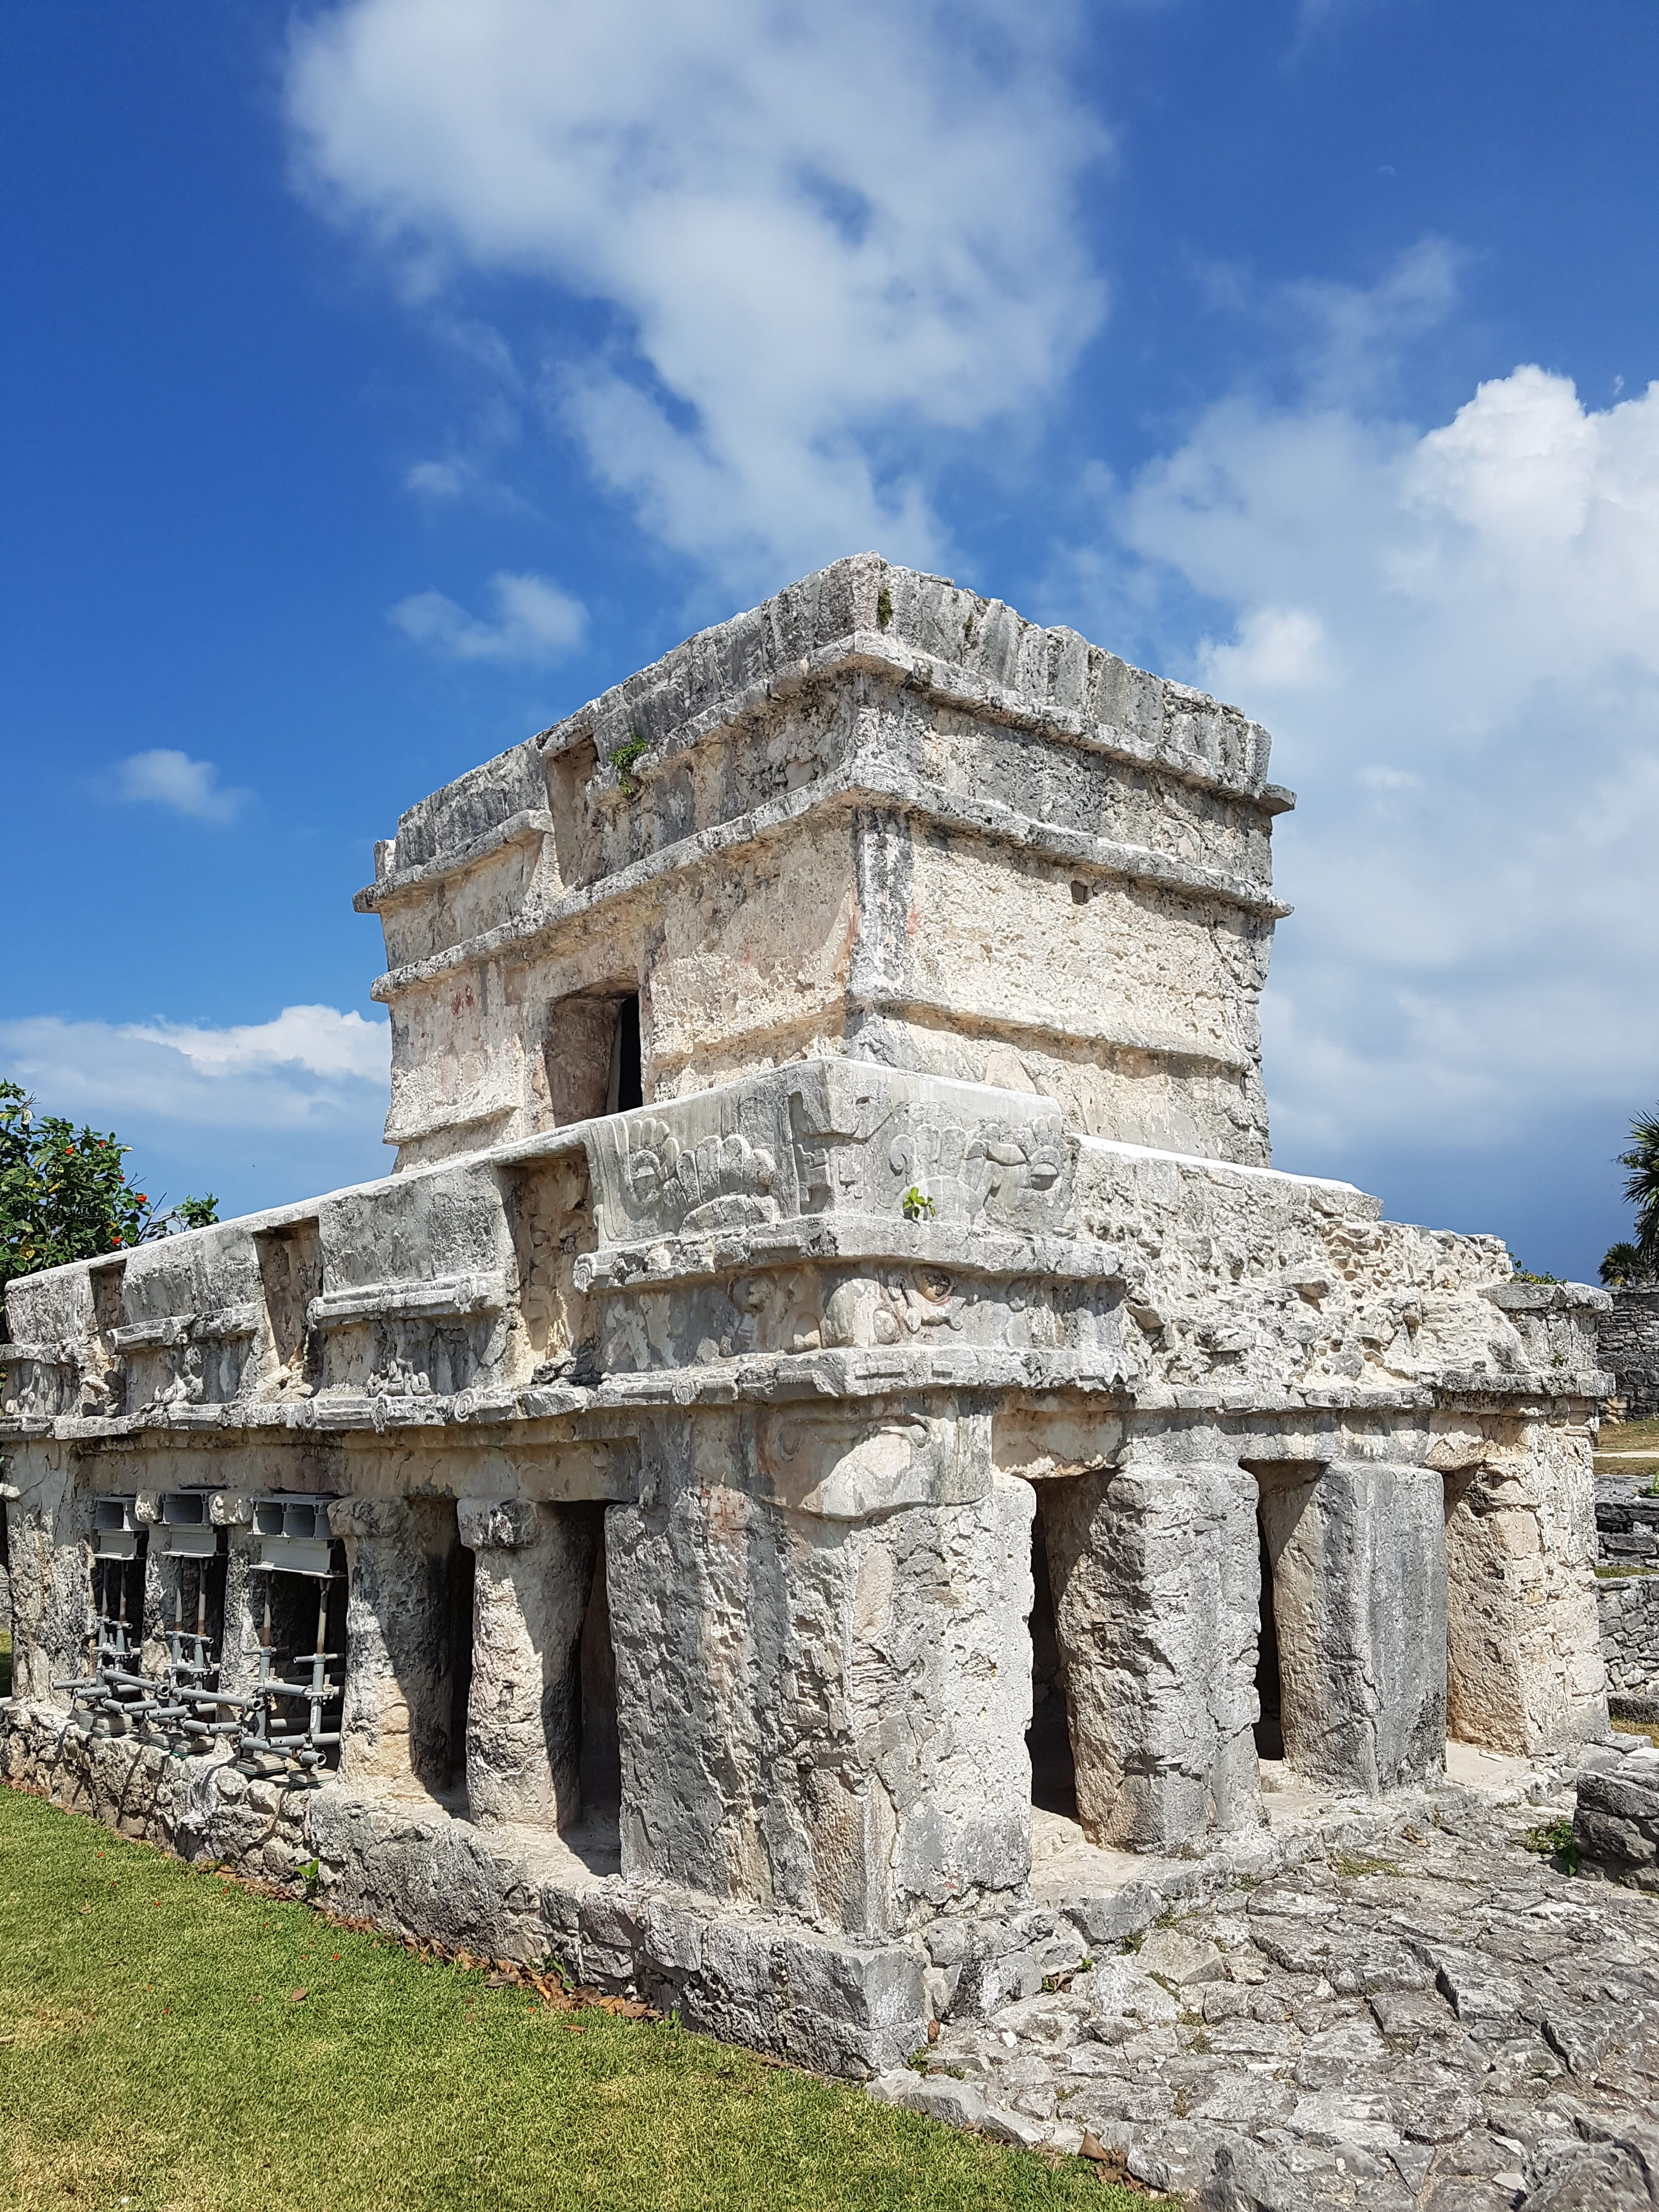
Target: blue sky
x=383, y=380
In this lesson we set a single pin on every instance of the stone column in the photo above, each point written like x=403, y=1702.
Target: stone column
x=823, y=1689
x=1359, y=1596
x=535, y=1577
x=395, y=1719
x=162, y=1586
x=49, y=1520
x=1153, y=1567
x=239, y=1635
x=1527, y=1675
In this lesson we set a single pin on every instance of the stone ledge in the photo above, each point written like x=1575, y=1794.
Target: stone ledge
x=847, y=787
x=1548, y=1298
x=1039, y=1373
x=977, y=652
x=533, y=823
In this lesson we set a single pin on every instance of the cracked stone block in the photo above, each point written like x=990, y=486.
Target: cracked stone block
x=1154, y=1575
x=533, y=1581
x=396, y=1717
x=882, y=1667
x=1359, y=1598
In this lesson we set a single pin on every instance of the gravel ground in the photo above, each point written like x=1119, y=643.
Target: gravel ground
x=1425, y=2014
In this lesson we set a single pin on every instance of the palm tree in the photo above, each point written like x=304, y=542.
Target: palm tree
x=1621, y=1264
x=1642, y=1186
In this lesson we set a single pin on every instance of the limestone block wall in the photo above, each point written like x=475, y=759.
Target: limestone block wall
x=878, y=817
x=756, y=1237
x=1629, y=1349
x=688, y=1474
x=1629, y=1609
x=1627, y=1534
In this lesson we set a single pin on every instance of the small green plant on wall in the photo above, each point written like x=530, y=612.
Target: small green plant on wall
x=622, y=758
x=918, y=1206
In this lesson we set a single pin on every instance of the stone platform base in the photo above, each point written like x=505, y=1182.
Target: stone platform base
x=413, y=1868
x=1427, y=2014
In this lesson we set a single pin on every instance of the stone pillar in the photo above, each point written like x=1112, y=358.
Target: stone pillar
x=49, y=1520
x=1153, y=1567
x=1527, y=1675
x=1359, y=1597
x=162, y=1587
x=823, y=1665
x=535, y=1576
x=239, y=1637
x=395, y=1718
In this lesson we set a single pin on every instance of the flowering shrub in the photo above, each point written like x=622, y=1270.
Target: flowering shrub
x=65, y=1194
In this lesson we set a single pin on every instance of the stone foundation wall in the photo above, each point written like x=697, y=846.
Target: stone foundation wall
x=518, y=1894
x=1628, y=1345
x=1627, y=1538
x=1629, y=1608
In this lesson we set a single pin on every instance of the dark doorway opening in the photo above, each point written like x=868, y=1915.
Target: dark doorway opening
x=600, y=1768
x=594, y=1055
x=461, y=1581
x=1053, y=1777
x=1269, y=1689
x=626, y=1087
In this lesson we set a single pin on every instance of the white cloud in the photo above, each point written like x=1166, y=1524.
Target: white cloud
x=1389, y=779
x=536, y=623
x=445, y=479
x=1276, y=649
x=166, y=778
x=318, y=1040
x=1454, y=634
x=309, y=1064
x=830, y=237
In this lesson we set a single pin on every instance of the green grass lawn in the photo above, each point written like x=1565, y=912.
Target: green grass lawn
x=171, y=2043
x=1629, y=1436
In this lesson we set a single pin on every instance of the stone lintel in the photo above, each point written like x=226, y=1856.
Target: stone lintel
x=500, y=1523
x=481, y=1292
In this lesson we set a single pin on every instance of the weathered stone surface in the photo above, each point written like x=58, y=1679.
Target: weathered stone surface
x=1525, y=1671
x=1359, y=1597
x=1627, y=1588
x=1627, y=1345
x=883, y=1663
x=1616, y=1817
x=533, y=1584
x=828, y=1369
x=397, y=1719
x=1153, y=1569
x=1283, y=2091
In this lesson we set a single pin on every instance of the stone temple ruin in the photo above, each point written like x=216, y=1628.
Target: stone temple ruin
x=834, y=1436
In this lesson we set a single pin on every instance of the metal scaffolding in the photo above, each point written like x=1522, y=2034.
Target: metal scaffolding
x=292, y=1727
x=286, y=1722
